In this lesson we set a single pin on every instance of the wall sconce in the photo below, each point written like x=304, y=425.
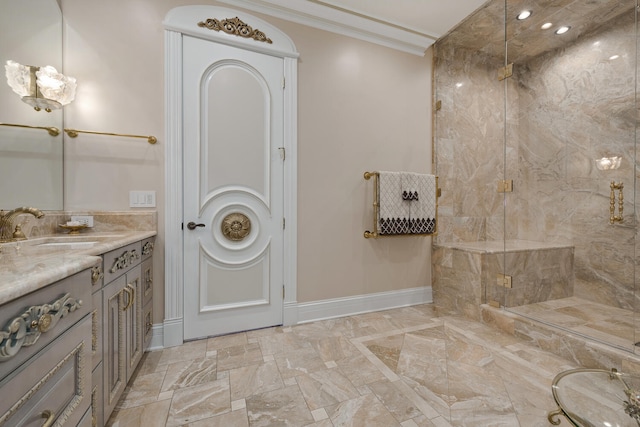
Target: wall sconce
x=608, y=163
x=44, y=88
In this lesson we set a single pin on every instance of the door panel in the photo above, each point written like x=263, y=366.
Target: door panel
x=233, y=189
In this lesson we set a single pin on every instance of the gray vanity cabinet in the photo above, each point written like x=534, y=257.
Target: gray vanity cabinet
x=122, y=314
x=126, y=305
x=46, y=378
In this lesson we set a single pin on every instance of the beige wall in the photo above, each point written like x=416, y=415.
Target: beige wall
x=361, y=107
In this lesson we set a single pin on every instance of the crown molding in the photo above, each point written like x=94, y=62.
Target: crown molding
x=341, y=21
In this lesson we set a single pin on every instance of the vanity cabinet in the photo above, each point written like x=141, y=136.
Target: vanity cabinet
x=45, y=355
x=126, y=298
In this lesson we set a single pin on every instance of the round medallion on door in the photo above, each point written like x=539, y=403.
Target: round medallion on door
x=235, y=226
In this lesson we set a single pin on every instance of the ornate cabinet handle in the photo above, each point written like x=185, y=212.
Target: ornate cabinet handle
x=147, y=248
x=96, y=274
x=127, y=290
x=124, y=260
x=24, y=330
x=50, y=418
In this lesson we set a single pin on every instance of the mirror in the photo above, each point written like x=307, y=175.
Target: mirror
x=31, y=160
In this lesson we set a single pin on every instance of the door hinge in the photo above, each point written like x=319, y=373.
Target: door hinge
x=438, y=105
x=505, y=186
x=282, y=291
x=283, y=153
x=284, y=225
x=504, y=280
x=284, y=82
x=505, y=72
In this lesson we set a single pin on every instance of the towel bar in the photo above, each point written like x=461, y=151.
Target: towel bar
x=376, y=204
x=376, y=208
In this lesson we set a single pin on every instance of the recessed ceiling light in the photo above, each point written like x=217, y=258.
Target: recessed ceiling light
x=546, y=25
x=524, y=15
x=563, y=29
x=612, y=57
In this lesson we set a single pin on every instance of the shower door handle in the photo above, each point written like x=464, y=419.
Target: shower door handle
x=192, y=225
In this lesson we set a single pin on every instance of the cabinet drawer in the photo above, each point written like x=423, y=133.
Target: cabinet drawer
x=68, y=301
x=121, y=260
x=55, y=384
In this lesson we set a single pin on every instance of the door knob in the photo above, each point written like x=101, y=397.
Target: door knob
x=192, y=225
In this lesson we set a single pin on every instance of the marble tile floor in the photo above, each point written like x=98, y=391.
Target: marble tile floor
x=405, y=367
x=611, y=325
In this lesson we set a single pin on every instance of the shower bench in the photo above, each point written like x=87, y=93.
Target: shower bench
x=466, y=274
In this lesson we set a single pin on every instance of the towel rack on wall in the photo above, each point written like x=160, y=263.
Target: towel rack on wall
x=74, y=133
x=376, y=204
x=376, y=209
x=53, y=131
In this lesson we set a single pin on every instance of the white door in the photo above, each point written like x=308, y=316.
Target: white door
x=233, y=189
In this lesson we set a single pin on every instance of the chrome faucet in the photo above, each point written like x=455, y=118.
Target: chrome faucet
x=7, y=231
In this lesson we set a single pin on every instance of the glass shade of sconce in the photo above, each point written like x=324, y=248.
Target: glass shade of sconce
x=44, y=88
x=608, y=163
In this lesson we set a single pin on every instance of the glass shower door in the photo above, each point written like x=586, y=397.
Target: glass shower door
x=570, y=148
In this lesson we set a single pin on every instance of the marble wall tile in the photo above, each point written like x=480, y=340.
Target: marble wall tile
x=544, y=127
x=103, y=221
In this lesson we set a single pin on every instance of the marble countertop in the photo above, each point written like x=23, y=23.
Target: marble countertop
x=29, y=265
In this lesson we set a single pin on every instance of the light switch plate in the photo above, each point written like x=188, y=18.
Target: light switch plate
x=142, y=199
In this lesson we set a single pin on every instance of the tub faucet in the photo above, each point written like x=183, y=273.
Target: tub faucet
x=7, y=232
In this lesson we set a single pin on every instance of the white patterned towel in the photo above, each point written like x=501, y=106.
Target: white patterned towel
x=393, y=215
x=422, y=210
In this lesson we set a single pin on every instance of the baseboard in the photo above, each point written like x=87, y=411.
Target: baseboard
x=157, y=338
x=340, y=307
x=172, y=333
x=169, y=334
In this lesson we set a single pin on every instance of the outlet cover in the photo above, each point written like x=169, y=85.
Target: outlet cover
x=83, y=219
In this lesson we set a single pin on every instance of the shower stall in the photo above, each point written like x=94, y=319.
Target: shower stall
x=535, y=148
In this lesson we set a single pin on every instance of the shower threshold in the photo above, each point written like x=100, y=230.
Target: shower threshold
x=599, y=322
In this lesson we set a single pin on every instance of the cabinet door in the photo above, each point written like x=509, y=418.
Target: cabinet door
x=134, y=330
x=114, y=362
